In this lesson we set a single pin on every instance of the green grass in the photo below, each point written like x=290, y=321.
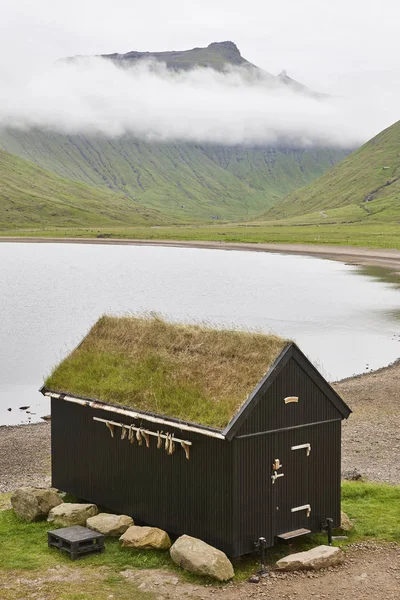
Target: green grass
x=185, y=182
x=33, y=197
x=374, y=508
x=366, y=235
x=183, y=371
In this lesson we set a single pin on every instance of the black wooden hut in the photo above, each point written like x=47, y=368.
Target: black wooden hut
x=272, y=471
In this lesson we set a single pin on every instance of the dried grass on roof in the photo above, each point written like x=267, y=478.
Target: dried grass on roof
x=188, y=372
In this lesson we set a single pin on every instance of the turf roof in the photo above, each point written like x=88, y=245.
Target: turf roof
x=188, y=372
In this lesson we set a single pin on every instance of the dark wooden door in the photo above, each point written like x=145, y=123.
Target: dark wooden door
x=289, y=484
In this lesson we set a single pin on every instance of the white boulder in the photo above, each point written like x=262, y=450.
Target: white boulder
x=32, y=504
x=107, y=524
x=316, y=558
x=69, y=514
x=196, y=556
x=145, y=538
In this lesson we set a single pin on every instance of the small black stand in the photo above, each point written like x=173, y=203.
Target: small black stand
x=328, y=527
x=261, y=546
x=76, y=541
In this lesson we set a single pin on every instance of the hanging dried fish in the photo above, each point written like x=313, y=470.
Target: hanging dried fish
x=131, y=434
x=159, y=440
x=186, y=449
x=147, y=438
x=171, y=448
x=166, y=442
x=111, y=428
x=123, y=432
x=139, y=437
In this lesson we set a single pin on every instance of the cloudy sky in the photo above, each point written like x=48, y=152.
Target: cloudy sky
x=305, y=37
x=349, y=48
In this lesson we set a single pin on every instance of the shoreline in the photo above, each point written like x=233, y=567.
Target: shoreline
x=381, y=257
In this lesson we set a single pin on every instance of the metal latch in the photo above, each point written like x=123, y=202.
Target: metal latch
x=306, y=507
x=276, y=475
x=301, y=446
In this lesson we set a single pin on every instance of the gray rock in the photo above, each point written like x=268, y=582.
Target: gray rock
x=113, y=525
x=145, y=538
x=320, y=557
x=198, y=557
x=352, y=475
x=32, y=504
x=345, y=523
x=68, y=514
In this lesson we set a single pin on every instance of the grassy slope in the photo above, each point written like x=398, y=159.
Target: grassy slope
x=31, y=196
x=364, y=186
x=184, y=181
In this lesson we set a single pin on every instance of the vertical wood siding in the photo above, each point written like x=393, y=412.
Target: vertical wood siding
x=263, y=508
x=271, y=412
x=179, y=495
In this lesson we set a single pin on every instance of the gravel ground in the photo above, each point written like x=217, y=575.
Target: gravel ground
x=371, y=436
x=24, y=456
x=369, y=571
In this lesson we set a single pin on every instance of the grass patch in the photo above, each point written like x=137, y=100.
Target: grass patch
x=184, y=371
x=25, y=559
x=365, y=234
x=5, y=500
x=374, y=508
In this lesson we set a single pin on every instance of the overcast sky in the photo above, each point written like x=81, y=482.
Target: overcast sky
x=348, y=48
x=312, y=39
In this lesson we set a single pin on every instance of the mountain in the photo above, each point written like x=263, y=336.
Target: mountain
x=185, y=181
x=365, y=185
x=33, y=197
x=218, y=56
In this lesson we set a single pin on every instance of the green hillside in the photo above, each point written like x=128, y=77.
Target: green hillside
x=184, y=181
x=33, y=197
x=364, y=186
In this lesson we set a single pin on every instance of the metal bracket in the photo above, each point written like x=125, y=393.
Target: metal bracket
x=301, y=446
x=306, y=507
x=276, y=475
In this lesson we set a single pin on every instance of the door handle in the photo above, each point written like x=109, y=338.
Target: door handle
x=307, y=448
x=275, y=476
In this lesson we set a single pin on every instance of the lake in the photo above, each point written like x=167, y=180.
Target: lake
x=345, y=318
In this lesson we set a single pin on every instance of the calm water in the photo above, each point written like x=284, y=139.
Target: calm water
x=345, y=318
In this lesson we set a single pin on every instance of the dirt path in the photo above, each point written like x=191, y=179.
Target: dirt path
x=381, y=257
x=369, y=571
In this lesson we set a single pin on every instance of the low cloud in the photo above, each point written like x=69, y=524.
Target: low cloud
x=92, y=95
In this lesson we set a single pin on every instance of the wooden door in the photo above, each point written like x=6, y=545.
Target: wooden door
x=289, y=484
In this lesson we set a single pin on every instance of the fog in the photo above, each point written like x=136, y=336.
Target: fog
x=93, y=95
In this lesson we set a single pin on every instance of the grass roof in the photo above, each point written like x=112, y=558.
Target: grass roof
x=188, y=372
